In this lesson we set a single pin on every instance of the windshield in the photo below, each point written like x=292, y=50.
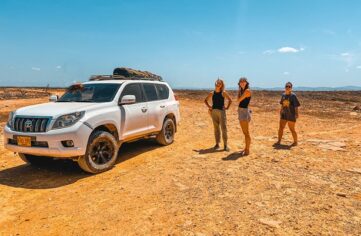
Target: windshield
x=90, y=93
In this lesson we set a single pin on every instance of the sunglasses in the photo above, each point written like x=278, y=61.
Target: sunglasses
x=288, y=86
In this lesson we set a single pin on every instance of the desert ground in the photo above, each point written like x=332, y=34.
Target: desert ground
x=187, y=188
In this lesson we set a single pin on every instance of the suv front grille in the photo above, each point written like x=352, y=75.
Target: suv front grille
x=30, y=124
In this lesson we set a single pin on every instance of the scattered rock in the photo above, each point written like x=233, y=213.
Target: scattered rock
x=180, y=186
x=333, y=145
x=353, y=113
x=357, y=108
x=187, y=223
x=355, y=170
x=201, y=124
x=341, y=194
x=271, y=223
x=260, y=204
x=278, y=185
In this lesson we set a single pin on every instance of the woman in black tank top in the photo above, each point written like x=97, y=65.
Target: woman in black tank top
x=217, y=100
x=244, y=114
x=218, y=112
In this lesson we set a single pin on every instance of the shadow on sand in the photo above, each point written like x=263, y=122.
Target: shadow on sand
x=208, y=150
x=57, y=173
x=279, y=146
x=234, y=156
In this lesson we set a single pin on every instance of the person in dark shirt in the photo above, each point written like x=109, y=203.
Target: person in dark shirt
x=244, y=114
x=289, y=113
x=218, y=112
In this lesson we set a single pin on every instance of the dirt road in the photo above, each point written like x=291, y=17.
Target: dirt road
x=187, y=189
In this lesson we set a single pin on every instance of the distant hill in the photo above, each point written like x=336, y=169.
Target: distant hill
x=344, y=88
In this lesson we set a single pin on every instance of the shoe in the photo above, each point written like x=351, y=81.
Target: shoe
x=294, y=144
x=246, y=152
x=226, y=149
x=277, y=143
x=216, y=147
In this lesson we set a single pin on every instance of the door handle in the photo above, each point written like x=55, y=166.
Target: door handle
x=144, y=109
x=162, y=106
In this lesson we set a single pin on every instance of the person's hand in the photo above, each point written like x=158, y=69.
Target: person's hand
x=210, y=110
x=297, y=116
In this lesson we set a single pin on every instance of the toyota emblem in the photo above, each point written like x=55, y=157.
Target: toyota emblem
x=28, y=124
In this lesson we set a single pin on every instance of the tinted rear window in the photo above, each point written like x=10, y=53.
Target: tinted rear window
x=150, y=92
x=163, y=91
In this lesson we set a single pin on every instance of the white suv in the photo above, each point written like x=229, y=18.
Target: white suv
x=90, y=122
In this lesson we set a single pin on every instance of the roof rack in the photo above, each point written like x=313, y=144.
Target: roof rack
x=112, y=77
x=122, y=73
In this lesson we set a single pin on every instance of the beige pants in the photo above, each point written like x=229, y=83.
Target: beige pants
x=220, y=121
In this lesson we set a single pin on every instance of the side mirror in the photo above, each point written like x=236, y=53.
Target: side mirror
x=53, y=98
x=127, y=99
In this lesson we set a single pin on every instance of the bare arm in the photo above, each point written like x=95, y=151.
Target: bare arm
x=226, y=95
x=206, y=100
x=296, y=111
x=246, y=94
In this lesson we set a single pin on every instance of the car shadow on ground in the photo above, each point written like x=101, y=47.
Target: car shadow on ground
x=51, y=174
x=133, y=149
x=57, y=173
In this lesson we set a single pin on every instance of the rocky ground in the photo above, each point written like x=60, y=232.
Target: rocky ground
x=188, y=189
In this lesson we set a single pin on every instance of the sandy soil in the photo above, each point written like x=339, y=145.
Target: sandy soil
x=187, y=189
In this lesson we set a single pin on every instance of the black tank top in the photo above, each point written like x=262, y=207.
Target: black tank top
x=218, y=100
x=245, y=102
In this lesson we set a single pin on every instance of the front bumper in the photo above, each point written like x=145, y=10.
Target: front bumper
x=79, y=133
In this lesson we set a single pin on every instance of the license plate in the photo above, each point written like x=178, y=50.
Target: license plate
x=24, y=141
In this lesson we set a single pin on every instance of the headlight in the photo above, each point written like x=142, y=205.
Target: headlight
x=68, y=120
x=10, y=122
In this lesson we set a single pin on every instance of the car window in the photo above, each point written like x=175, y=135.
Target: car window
x=150, y=92
x=163, y=91
x=133, y=89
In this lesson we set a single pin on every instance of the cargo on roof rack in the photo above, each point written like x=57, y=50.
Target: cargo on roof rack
x=123, y=73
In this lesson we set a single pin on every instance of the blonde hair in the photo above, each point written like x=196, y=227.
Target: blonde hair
x=223, y=86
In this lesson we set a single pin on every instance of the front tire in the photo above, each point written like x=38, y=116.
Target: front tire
x=166, y=135
x=101, y=153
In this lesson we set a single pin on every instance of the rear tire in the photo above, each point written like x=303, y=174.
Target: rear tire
x=35, y=160
x=101, y=153
x=166, y=135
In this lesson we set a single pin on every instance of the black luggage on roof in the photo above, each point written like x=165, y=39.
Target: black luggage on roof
x=123, y=73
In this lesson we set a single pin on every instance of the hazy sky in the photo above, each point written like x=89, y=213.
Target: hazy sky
x=188, y=42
